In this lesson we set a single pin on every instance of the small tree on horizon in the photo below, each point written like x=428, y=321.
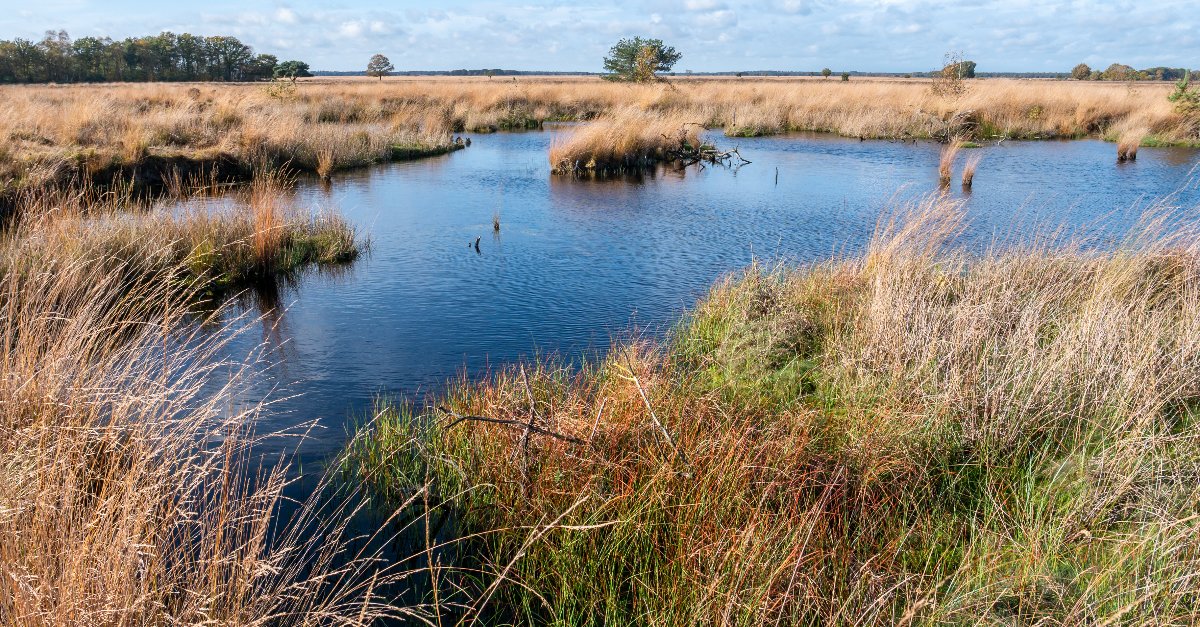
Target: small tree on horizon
x=379, y=66
x=1081, y=72
x=292, y=70
x=639, y=60
x=826, y=72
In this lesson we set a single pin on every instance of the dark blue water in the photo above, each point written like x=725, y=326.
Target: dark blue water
x=578, y=262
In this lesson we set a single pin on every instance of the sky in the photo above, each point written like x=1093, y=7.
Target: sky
x=712, y=35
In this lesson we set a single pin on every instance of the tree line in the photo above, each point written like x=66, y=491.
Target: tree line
x=1122, y=72
x=163, y=57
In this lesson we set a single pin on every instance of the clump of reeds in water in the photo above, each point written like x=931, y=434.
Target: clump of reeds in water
x=496, y=221
x=1127, y=145
x=972, y=164
x=325, y=163
x=946, y=162
x=918, y=435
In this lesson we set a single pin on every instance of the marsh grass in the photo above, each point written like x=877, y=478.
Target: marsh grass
x=51, y=133
x=129, y=489
x=915, y=435
x=1128, y=143
x=254, y=235
x=627, y=139
x=969, y=167
x=946, y=161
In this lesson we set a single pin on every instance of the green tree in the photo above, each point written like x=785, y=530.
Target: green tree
x=379, y=66
x=1119, y=72
x=1081, y=72
x=292, y=70
x=639, y=60
x=826, y=72
x=1186, y=97
x=845, y=77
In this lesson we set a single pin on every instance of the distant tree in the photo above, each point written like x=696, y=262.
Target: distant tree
x=292, y=70
x=639, y=60
x=949, y=81
x=845, y=77
x=740, y=74
x=958, y=68
x=1119, y=72
x=489, y=74
x=1081, y=72
x=379, y=66
x=826, y=72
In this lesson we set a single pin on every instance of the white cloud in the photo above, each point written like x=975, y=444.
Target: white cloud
x=284, y=15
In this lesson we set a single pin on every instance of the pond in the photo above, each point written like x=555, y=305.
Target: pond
x=578, y=262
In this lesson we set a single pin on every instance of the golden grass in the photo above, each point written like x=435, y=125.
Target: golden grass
x=1128, y=142
x=128, y=493
x=972, y=164
x=918, y=435
x=946, y=161
x=627, y=138
x=255, y=234
x=52, y=132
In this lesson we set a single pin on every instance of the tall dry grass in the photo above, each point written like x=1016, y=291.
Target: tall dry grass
x=919, y=435
x=129, y=493
x=946, y=161
x=53, y=132
x=627, y=138
x=253, y=235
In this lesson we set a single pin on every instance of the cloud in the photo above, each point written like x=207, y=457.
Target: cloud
x=284, y=15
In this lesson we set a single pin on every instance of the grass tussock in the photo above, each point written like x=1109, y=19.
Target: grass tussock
x=627, y=139
x=946, y=161
x=1128, y=143
x=969, y=167
x=915, y=436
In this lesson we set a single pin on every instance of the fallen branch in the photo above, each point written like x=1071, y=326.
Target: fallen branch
x=517, y=424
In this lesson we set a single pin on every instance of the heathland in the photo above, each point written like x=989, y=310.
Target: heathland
x=52, y=135
x=915, y=435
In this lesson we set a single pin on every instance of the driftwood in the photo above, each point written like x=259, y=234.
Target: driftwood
x=526, y=427
x=688, y=154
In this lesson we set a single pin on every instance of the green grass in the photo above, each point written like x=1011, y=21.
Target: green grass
x=914, y=436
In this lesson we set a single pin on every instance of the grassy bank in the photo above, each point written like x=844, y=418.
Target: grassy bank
x=258, y=234
x=913, y=436
x=49, y=134
x=129, y=490
x=52, y=136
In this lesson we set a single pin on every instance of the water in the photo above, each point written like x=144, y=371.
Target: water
x=579, y=262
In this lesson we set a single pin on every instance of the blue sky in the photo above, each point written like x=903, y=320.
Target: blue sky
x=881, y=35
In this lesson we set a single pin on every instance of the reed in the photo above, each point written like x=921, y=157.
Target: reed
x=915, y=435
x=946, y=161
x=129, y=493
x=1128, y=143
x=260, y=232
x=496, y=221
x=972, y=164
